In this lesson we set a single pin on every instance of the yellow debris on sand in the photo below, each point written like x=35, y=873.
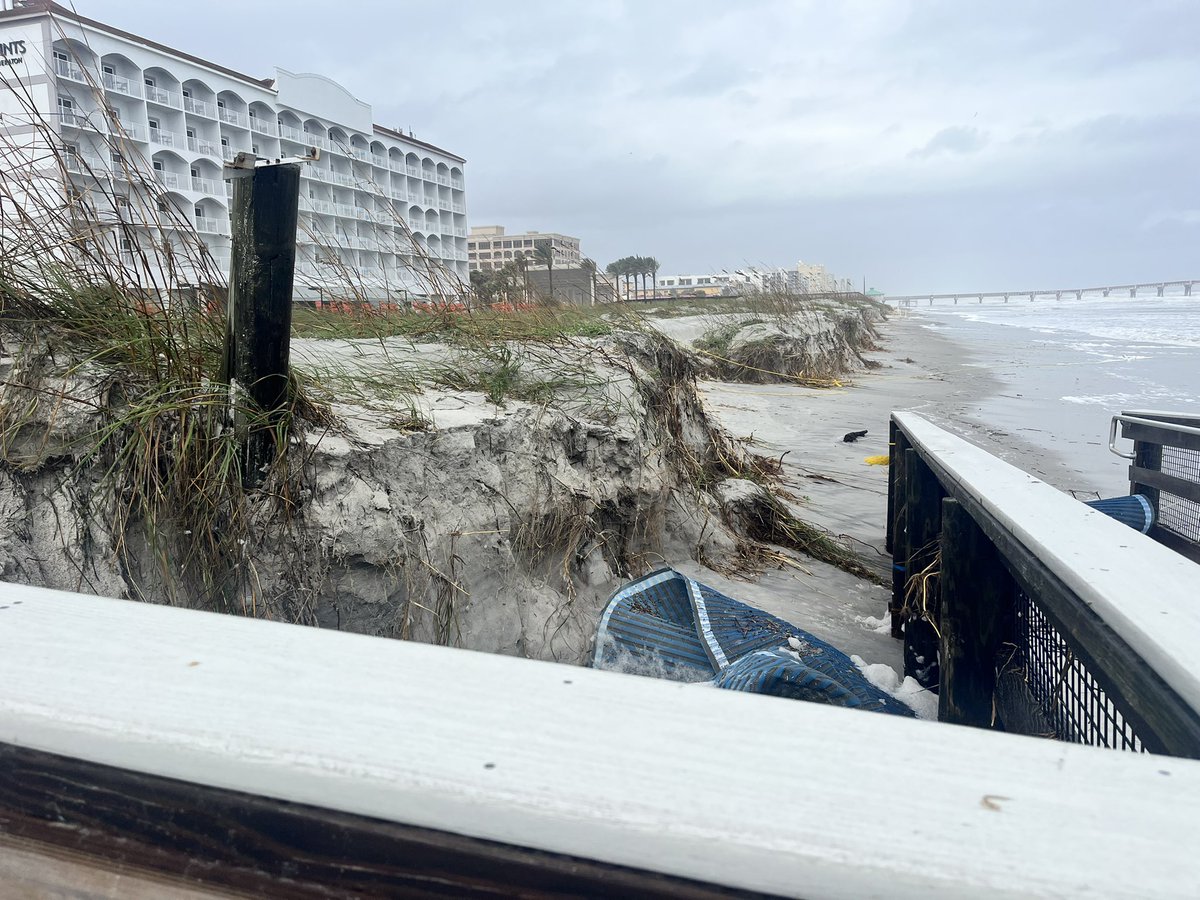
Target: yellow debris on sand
x=877, y=460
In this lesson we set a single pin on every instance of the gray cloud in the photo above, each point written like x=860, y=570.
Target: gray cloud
x=955, y=139
x=930, y=145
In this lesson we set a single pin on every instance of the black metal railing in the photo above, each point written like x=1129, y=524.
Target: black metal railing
x=1004, y=637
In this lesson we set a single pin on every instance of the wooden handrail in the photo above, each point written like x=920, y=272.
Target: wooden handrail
x=1127, y=602
x=747, y=792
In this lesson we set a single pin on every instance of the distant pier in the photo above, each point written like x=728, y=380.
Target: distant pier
x=1160, y=289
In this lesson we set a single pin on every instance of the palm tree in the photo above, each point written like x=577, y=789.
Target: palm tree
x=589, y=266
x=652, y=266
x=614, y=272
x=521, y=263
x=543, y=252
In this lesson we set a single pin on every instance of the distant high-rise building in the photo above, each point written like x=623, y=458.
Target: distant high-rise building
x=488, y=247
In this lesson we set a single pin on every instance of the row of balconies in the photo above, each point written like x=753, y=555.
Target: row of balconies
x=345, y=211
x=163, y=97
x=158, y=137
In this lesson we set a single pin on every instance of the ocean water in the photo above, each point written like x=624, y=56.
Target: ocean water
x=1066, y=367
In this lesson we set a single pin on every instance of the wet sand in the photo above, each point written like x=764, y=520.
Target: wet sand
x=918, y=370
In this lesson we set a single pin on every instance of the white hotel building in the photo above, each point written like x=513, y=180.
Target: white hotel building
x=376, y=208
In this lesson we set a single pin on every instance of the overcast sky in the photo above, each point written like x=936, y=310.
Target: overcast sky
x=925, y=145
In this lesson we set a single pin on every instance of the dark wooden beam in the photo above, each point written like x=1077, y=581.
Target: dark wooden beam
x=922, y=526
x=255, y=846
x=976, y=594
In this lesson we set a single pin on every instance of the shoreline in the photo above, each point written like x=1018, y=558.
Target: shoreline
x=833, y=488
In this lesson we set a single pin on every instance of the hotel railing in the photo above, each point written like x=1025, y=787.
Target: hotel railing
x=67, y=69
x=121, y=85
x=263, y=126
x=163, y=97
x=233, y=117
x=208, y=186
x=200, y=145
x=212, y=226
x=199, y=107
x=171, y=180
x=166, y=138
x=1030, y=611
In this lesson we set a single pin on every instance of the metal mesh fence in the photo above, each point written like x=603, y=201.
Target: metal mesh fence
x=1063, y=688
x=1178, y=514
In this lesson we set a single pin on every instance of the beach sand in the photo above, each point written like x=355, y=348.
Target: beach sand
x=919, y=370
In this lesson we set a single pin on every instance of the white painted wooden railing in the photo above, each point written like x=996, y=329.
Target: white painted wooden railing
x=1146, y=593
x=739, y=790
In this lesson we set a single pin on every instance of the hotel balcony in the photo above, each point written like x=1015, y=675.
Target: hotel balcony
x=364, y=155
x=171, y=180
x=316, y=206
x=164, y=98
x=458, y=208
x=166, y=138
x=380, y=161
x=414, y=198
x=212, y=226
x=130, y=130
x=85, y=163
x=207, y=186
x=64, y=68
x=121, y=85
x=341, y=209
x=199, y=107
x=412, y=171
x=264, y=126
x=200, y=145
x=233, y=117
x=443, y=179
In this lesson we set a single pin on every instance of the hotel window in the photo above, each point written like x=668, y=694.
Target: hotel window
x=199, y=212
x=508, y=244
x=220, y=103
x=117, y=158
x=58, y=54
x=153, y=123
x=187, y=93
x=529, y=243
x=149, y=81
x=158, y=166
x=195, y=172
x=108, y=70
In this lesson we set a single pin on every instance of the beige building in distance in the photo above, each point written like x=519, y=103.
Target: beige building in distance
x=488, y=247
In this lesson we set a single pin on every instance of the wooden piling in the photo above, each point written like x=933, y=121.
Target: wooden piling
x=975, y=593
x=896, y=536
x=922, y=526
x=259, y=320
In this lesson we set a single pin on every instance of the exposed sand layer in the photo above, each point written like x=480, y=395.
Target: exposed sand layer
x=504, y=526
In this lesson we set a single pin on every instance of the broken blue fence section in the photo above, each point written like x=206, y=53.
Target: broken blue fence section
x=671, y=626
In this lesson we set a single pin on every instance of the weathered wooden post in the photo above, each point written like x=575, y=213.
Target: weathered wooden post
x=922, y=527
x=895, y=525
x=266, y=203
x=976, y=592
